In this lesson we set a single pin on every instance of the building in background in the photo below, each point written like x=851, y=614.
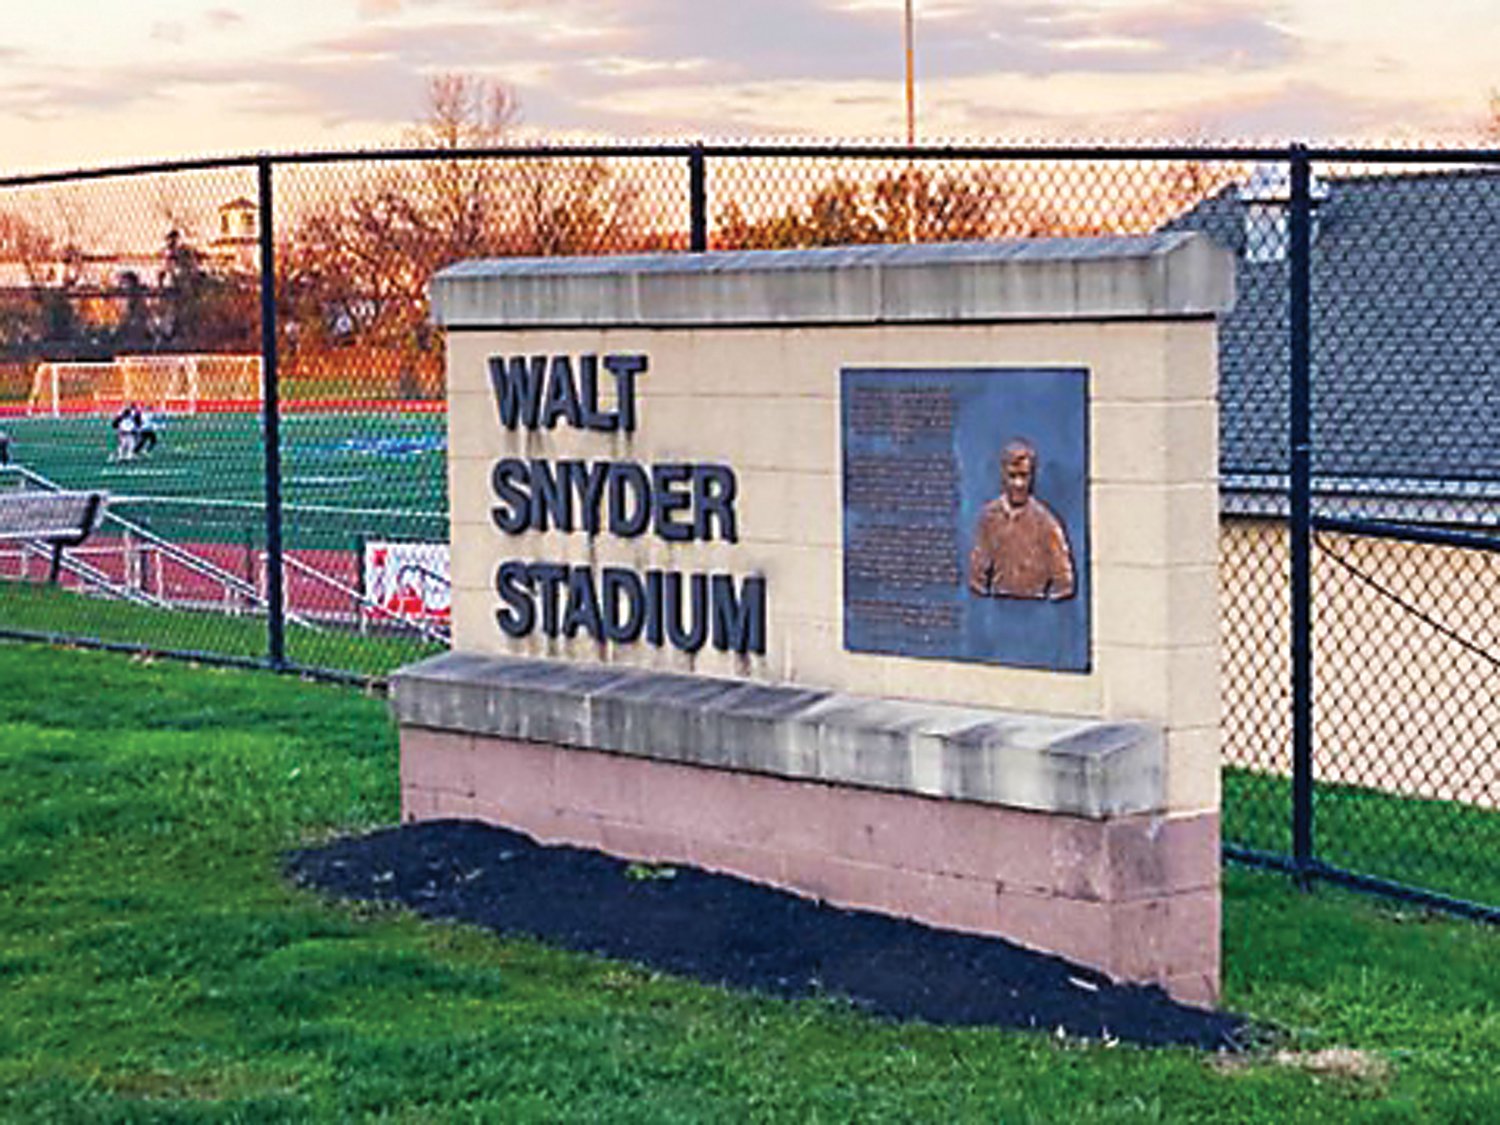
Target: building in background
x=236, y=246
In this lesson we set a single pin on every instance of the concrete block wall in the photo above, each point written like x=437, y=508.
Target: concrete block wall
x=765, y=400
x=746, y=352
x=1136, y=896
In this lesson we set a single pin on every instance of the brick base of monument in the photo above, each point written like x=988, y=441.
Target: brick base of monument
x=1135, y=896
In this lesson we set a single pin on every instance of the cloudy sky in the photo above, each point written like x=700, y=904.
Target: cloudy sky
x=97, y=81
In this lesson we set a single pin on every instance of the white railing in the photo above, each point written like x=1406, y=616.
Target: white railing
x=138, y=546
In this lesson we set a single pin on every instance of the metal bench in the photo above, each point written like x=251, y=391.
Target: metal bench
x=61, y=519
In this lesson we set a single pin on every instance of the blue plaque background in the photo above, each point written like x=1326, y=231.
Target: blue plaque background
x=905, y=514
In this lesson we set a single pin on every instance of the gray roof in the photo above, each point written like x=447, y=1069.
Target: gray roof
x=1406, y=334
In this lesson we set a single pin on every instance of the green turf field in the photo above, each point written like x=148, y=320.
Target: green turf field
x=344, y=476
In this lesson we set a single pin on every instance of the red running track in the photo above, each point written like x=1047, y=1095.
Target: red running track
x=148, y=569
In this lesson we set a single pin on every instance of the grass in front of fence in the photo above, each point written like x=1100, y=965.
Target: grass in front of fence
x=1442, y=846
x=46, y=610
x=1447, y=847
x=156, y=966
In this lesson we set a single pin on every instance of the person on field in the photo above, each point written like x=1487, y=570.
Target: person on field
x=4, y=448
x=145, y=431
x=125, y=424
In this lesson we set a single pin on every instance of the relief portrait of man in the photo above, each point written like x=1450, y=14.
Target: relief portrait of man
x=1020, y=547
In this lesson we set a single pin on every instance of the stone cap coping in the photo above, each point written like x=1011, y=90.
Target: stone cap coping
x=1177, y=274
x=1084, y=767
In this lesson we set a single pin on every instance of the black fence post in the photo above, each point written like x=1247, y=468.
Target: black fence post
x=271, y=423
x=697, y=200
x=1299, y=297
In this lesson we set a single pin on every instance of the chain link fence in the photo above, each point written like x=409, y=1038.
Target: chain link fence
x=268, y=318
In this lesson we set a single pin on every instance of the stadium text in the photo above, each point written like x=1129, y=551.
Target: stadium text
x=538, y=391
x=677, y=501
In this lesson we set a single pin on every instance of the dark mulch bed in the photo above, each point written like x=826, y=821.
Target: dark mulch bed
x=727, y=931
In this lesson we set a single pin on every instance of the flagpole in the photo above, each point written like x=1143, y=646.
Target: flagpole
x=911, y=82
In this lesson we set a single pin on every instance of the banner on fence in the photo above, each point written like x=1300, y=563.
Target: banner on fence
x=408, y=578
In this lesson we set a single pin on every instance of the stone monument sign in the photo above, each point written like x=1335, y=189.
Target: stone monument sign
x=886, y=575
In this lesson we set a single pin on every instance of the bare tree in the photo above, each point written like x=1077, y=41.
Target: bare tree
x=353, y=275
x=175, y=212
x=910, y=205
x=25, y=243
x=27, y=253
x=355, y=270
x=465, y=111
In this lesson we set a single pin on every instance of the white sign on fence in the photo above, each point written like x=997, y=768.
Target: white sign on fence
x=409, y=579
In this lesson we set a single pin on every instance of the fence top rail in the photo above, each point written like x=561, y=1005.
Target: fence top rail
x=771, y=150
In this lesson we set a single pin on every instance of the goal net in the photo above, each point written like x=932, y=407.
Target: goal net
x=58, y=388
x=179, y=384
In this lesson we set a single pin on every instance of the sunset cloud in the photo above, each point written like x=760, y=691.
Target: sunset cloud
x=286, y=73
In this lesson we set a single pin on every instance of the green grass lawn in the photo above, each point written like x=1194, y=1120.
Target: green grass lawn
x=1442, y=846
x=154, y=966
x=45, y=610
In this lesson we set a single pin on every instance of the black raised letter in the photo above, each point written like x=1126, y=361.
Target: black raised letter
x=562, y=395
x=517, y=385
x=668, y=496
x=518, y=616
x=548, y=577
x=689, y=639
x=713, y=500
x=583, y=605
x=588, y=392
x=507, y=481
x=588, y=480
x=628, y=477
x=625, y=368
x=615, y=583
x=551, y=498
x=739, y=622
x=653, y=607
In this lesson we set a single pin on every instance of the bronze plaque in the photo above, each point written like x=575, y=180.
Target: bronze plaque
x=965, y=514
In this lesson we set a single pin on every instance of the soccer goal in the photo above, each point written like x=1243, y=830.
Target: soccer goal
x=178, y=384
x=73, y=388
